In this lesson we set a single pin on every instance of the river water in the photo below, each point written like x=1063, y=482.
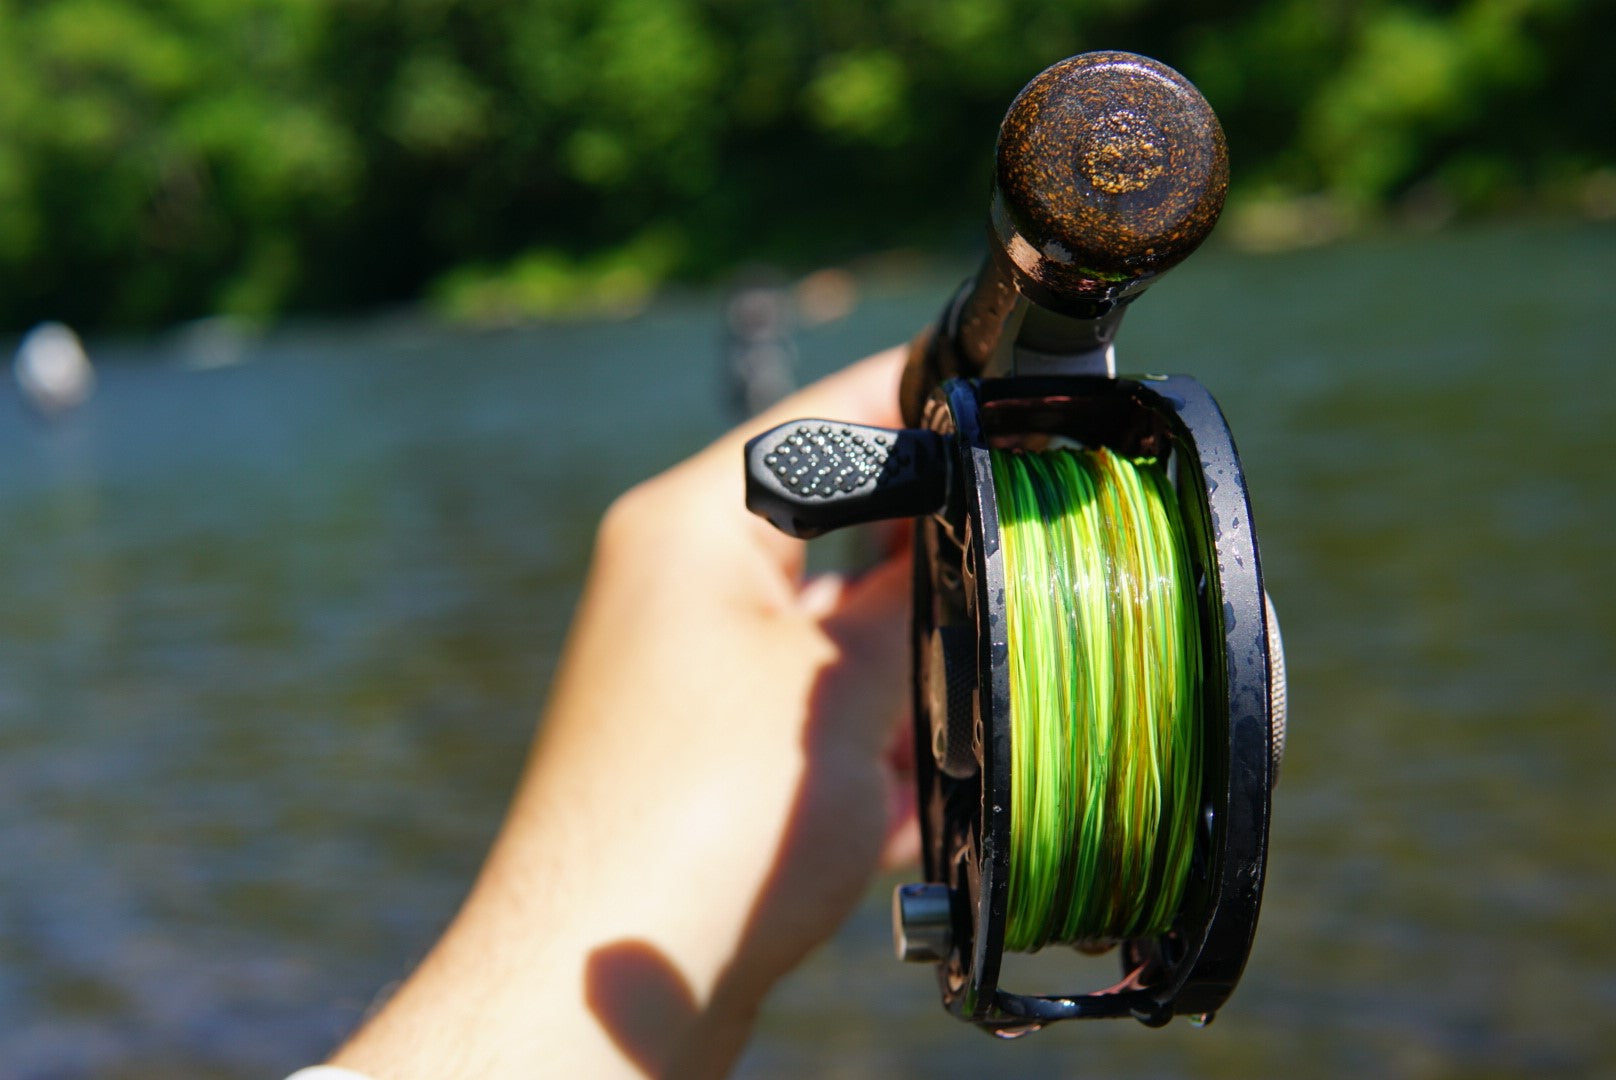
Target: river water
x=273, y=637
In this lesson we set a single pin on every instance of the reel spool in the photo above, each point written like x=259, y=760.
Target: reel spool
x=1153, y=802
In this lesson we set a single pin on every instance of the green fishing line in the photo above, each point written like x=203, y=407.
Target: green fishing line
x=1104, y=666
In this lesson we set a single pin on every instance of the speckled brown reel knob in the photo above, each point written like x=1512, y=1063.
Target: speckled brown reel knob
x=1111, y=169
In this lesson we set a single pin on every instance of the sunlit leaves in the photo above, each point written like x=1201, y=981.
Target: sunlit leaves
x=436, y=106
x=164, y=158
x=861, y=96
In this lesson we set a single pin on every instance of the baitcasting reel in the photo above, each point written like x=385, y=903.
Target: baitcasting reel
x=1098, y=680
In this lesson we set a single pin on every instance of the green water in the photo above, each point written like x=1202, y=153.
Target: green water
x=273, y=638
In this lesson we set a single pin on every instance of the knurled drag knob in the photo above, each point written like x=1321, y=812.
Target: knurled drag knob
x=1278, y=699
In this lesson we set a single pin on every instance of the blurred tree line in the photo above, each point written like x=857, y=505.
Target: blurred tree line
x=161, y=159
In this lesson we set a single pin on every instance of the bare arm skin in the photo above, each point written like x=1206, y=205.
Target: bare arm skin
x=718, y=775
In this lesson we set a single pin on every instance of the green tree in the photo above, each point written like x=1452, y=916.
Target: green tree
x=161, y=159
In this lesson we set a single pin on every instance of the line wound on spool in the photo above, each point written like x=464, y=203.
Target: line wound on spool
x=1104, y=664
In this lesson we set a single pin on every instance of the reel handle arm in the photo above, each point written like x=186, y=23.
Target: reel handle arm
x=808, y=477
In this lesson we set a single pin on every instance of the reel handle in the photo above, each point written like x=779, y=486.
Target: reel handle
x=1111, y=169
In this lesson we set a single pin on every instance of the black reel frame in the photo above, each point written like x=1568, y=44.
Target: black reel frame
x=959, y=586
x=1111, y=168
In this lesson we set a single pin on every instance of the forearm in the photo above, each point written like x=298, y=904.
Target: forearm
x=499, y=997
x=601, y=936
x=708, y=798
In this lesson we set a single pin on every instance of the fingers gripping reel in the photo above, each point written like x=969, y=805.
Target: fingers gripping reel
x=1110, y=169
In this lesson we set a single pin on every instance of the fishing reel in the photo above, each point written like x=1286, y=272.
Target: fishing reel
x=1098, y=680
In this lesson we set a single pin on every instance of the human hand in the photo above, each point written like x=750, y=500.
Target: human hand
x=721, y=770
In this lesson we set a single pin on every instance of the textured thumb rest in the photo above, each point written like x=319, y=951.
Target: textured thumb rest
x=1111, y=169
x=807, y=477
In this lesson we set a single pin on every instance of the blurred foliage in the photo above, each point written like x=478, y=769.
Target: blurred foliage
x=161, y=159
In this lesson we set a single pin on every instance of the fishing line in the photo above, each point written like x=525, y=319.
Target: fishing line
x=1104, y=667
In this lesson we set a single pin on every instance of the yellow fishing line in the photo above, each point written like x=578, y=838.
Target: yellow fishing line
x=1104, y=666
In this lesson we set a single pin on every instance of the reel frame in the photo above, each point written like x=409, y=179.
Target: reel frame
x=959, y=584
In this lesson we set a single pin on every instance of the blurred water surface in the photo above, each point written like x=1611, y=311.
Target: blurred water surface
x=273, y=638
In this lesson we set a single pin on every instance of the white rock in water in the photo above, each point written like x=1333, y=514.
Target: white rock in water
x=52, y=369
